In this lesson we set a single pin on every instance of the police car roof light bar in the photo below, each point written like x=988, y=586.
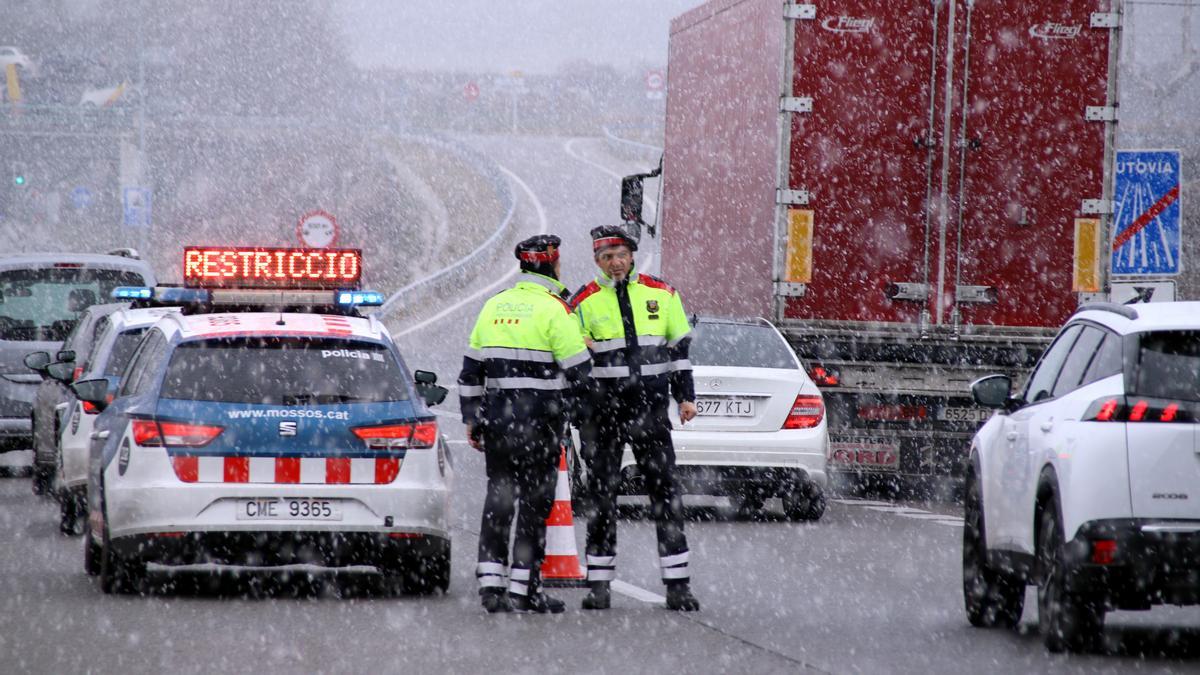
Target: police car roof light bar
x=359, y=298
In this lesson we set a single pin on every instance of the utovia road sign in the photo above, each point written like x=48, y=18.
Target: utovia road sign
x=317, y=229
x=1148, y=213
x=471, y=91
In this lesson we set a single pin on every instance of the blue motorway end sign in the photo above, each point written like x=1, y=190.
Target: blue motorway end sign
x=1147, y=215
x=136, y=202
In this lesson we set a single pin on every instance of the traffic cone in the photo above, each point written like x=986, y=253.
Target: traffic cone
x=561, y=567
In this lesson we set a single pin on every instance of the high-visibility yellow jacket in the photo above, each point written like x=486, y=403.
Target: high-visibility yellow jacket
x=526, y=352
x=639, y=332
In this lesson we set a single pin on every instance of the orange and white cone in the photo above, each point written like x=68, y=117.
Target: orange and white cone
x=561, y=567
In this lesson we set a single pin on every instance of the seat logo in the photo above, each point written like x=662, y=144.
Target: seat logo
x=287, y=428
x=847, y=24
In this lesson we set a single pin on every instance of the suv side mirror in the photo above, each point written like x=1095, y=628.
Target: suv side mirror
x=67, y=355
x=426, y=385
x=62, y=371
x=993, y=391
x=93, y=391
x=37, y=362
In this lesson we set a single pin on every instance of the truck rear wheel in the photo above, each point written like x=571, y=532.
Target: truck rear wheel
x=992, y=598
x=1067, y=622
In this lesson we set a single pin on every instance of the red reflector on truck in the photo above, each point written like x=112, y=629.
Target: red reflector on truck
x=824, y=377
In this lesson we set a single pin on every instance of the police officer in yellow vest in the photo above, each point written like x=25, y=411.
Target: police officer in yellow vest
x=525, y=357
x=638, y=334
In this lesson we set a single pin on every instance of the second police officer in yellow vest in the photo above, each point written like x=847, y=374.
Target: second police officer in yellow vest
x=638, y=333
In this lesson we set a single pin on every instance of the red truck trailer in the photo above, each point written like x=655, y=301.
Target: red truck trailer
x=916, y=191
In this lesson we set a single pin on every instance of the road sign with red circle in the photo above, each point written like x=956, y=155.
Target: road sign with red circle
x=317, y=229
x=655, y=80
x=471, y=91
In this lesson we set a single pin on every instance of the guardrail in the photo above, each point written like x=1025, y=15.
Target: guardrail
x=490, y=169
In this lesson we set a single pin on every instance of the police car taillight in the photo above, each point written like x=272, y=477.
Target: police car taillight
x=399, y=436
x=153, y=433
x=806, y=413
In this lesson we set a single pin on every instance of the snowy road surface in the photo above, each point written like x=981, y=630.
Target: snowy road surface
x=873, y=587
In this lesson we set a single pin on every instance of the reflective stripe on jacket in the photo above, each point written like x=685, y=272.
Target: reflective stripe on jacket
x=638, y=328
x=525, y=348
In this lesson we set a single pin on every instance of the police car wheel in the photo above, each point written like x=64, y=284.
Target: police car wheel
x=117, y=574
x=41, y=479
x=91, y=551
x=421, y=572
x=69, y=513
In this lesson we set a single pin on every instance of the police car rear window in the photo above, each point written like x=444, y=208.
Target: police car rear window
x=740, y=346
x=122, y=350
x=283, y=371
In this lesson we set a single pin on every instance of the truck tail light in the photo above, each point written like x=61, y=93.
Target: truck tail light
x=824, y=377
x=77, y=372
x=806, y=413
x=153, y=433
x=90, y=408
x=399, y=436
x=1120, y=409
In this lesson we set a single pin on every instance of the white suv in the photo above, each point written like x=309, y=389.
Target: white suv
x=1088, y=482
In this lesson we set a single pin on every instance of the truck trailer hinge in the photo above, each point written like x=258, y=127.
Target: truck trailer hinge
x=1100, y=113
x=1096, y=207
x=790, y=290
x=985, y=294
x=903, y=290
x=1106, y=20
x=795, y=104
x=791, y=197
x=799, y=11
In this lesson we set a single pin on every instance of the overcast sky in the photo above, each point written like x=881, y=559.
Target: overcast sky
x=535, y=36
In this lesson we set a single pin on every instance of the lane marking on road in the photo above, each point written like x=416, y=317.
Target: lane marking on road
x=909, y=512
x=543, y=224
x=636, y=592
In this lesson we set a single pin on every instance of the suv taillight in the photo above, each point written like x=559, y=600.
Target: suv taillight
x=399, y=436
x=1136, y=409
x=153, y=433
x=807, y=412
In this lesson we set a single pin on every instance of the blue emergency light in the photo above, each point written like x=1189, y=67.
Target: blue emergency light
x=132, y=293
x=359, y=298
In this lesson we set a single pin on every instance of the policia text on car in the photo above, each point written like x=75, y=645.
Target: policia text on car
x=639, y=336
x=526, y=355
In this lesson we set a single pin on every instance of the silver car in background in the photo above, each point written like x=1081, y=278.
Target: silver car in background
x=41, y=298
x=760, y=431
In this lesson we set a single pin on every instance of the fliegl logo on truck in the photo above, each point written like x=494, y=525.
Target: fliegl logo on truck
x=1052, y=30
x=848, y=24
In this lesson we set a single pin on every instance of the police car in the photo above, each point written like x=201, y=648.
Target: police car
x=118, y=336
x=267, y=438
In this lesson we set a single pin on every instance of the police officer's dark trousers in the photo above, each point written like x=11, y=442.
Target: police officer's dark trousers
x=522, y=463
x=630, y=413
